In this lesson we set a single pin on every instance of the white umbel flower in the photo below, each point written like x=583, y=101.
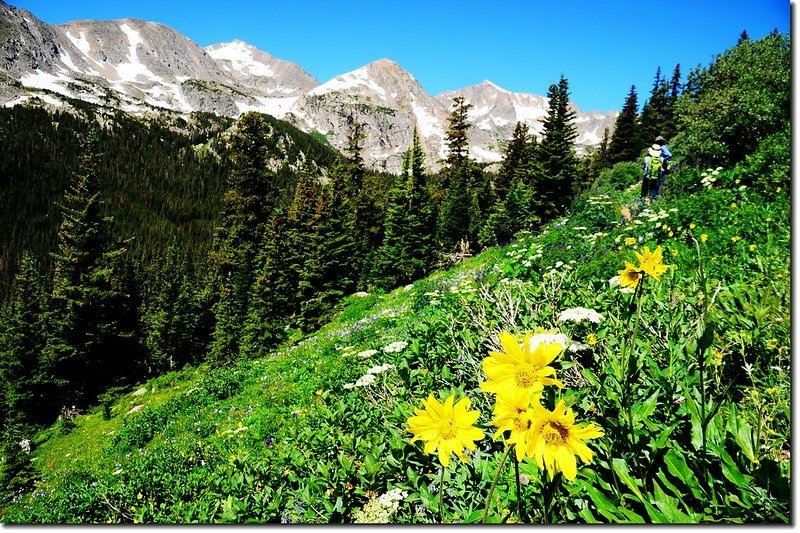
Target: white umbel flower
x=579, y=314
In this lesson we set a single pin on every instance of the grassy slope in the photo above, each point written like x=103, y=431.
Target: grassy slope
x=280, y=438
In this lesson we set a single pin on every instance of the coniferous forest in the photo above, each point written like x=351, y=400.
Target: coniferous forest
x=207, y=320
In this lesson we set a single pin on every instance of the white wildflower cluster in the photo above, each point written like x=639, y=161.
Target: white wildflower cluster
x=370, y=377
x=380, y=369
x=397, y=346
x=526, y=254
x=602, y=199
x=548, y=338
x=366, y=353
x=615, y=281
x=561, y=267
x=578, y=347
x=465, y=285
x=579, y=314
x=710, y=176
x=382, y=509
x=363, y=381
x=594, y=236
x=434, y=296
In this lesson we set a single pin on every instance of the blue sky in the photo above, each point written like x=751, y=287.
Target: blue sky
x=602, y=47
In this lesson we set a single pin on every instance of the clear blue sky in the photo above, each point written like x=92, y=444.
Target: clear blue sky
x=602, y=47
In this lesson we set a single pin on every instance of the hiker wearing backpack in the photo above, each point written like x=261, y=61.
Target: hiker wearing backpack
x=652, y=179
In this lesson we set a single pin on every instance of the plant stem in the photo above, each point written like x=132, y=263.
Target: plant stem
x=494, y=483
x=520, y=505
x=549, y=492
x=441, y=497
x=701, y=359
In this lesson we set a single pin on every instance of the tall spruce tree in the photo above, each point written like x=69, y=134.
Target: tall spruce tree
x=625, y=143
x=22, y=340
x=656, y=113
x=556, y=152
x=516, y=153
x=89, y=344
x=246, y=210
x=407, y=247
x=329, y=274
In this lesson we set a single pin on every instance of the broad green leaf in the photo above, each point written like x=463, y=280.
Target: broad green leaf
x=643, y=410
x=604, y=506
x=676, y=464
x=621, y=469
x=669, y=506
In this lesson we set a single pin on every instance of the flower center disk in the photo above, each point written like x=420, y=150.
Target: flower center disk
x=554, y=433
x=525, y=376
x=447, y=428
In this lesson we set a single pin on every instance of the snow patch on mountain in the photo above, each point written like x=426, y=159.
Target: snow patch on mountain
x=131, y=70
x=240, y=54
x=348, y=81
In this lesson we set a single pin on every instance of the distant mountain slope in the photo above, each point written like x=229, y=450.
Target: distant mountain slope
x=143, y=67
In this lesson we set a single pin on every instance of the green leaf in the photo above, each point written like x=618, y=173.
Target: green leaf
x=620, y=467
x=676, y=464
x=669, y=506
x=644, y=409
x=705, y=338
x=604, y=506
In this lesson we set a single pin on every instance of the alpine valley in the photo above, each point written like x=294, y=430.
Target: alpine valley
x=146, y=68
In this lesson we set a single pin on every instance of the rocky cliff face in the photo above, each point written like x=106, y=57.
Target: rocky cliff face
x=142, y=67
x=384, y=97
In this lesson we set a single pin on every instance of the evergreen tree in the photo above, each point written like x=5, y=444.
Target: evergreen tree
x=89, y=343
x=270, y=299
x=406, y=251
x=625, y=143
x=172, y=320
x=246, y=210
x=556, y=152
x=456, y=135
x=656, y=113
x=329, y=271
x=21, y=343
x=514, y=159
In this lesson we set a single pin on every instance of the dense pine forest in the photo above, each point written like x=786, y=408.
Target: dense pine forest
x=196, y=296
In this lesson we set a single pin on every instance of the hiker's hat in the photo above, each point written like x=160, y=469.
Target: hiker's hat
x=655, y=151
x=660, y=139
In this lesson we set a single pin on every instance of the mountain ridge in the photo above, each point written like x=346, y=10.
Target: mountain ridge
x=140, y=66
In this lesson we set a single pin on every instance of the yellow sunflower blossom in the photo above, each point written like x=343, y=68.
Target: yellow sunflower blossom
x=629, y=276
x=556, y=440
x=521, y=366
x=513, y=413
x=445, y=428
x=651, y=263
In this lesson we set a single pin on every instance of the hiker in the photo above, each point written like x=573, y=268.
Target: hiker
x=654, y=176
x=653, y=173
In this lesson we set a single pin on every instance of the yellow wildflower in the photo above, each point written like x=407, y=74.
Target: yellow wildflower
x=692, y=225
x=704, y=237
x=591, y=339
x=556, y=440
x=736, y=238
x=630, y=241
x=445, y=428
x=629, y=276
x=651, y=262
x=752, y=247
x=513, y=413
x=521, y=366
